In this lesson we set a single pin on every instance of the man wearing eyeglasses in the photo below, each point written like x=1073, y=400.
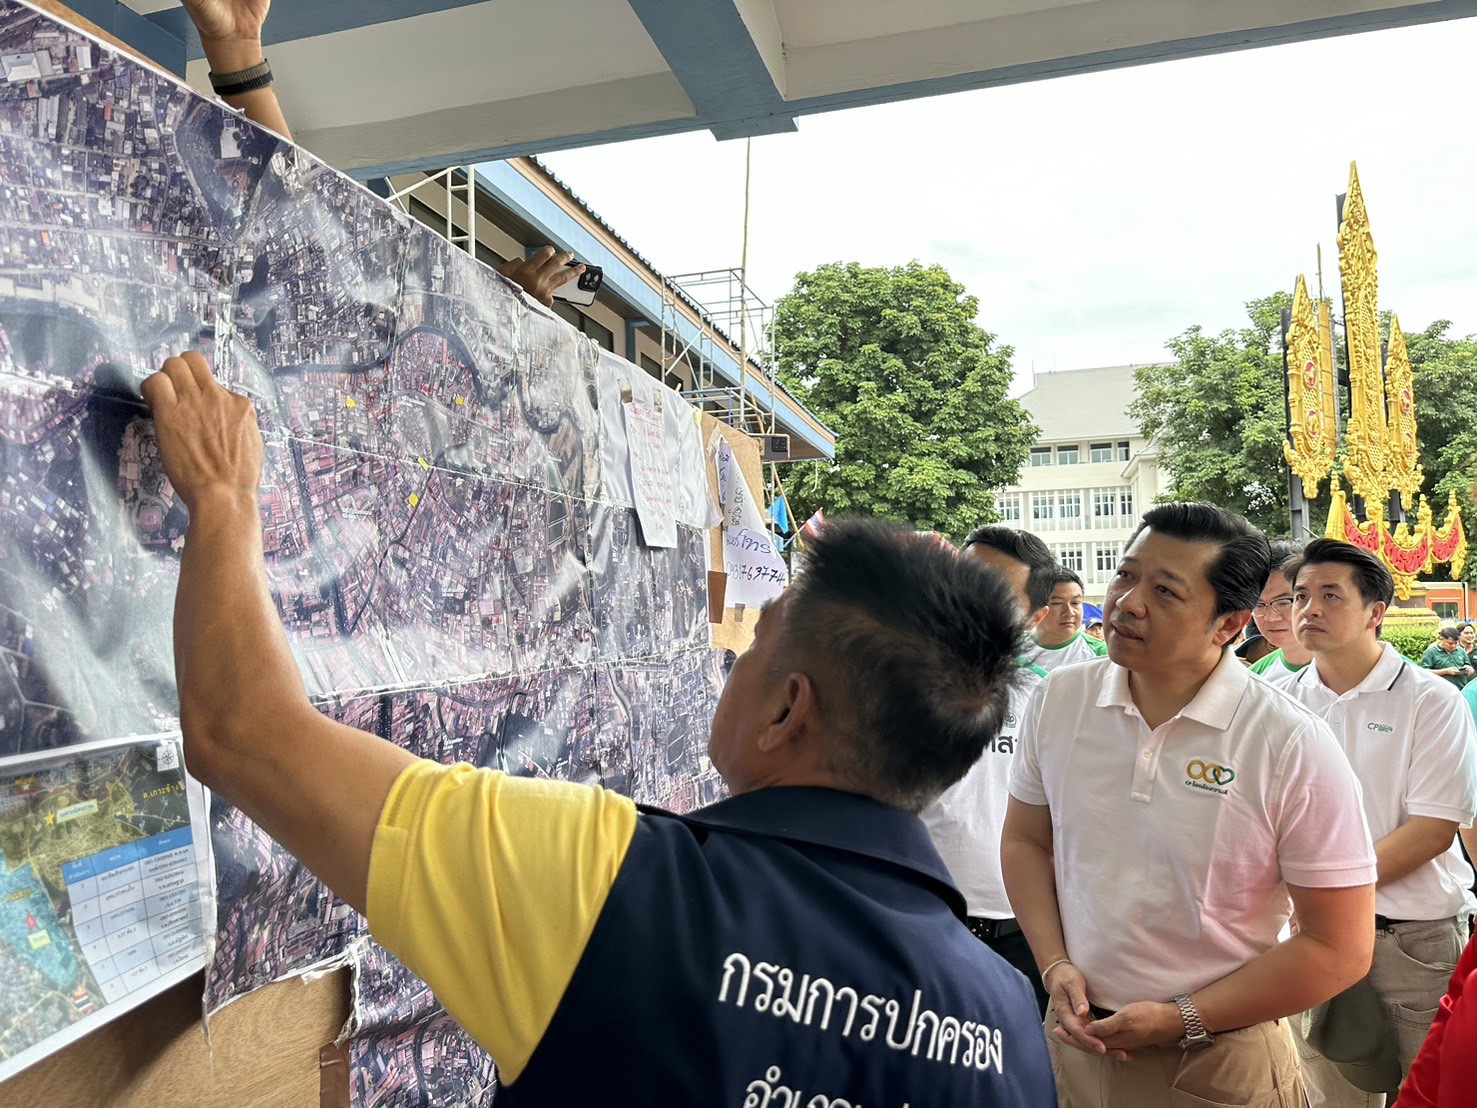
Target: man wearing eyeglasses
x=1273, y=615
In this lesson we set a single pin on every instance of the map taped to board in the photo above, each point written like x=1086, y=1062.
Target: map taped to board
x=458, y=567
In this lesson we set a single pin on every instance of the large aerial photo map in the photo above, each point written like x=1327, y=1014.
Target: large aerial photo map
x=457, y=566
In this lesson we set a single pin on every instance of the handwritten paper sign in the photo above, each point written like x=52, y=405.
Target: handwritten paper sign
x=756, y=572
x=651, y=473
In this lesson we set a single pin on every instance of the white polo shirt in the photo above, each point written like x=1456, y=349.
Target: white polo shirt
x=1410, y=738
x=1173, y=847
x=966, y=820
x=1079, y=648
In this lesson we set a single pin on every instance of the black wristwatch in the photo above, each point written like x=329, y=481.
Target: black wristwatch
x=242, y=81
x=1196, y=1037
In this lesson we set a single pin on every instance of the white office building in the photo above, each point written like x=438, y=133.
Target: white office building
x=1091, y=475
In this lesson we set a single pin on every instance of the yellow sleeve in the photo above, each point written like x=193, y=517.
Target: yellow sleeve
x=488, y=887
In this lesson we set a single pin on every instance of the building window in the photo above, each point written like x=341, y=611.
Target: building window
x=436, y=221
x=1125, y=505
x=571, y=316
x=1123, y=451
x=1100, y=452
x=1040, y=456
x=1066, y=455
x=1107, y=560
x=1070, y=557
x=585, y=325
x=1104, y=508
x=603, y=336
x=1010, y=507
x=1043, y=511
x=1069, y=509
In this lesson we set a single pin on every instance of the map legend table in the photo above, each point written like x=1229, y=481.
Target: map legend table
x=136, y=910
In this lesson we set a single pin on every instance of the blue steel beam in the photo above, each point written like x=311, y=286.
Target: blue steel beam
x=1226, y=42
x=535, y=207
x=1355, y=23
x=151, y=40
x=168, y=37
x=309, y=19
x=710, y=51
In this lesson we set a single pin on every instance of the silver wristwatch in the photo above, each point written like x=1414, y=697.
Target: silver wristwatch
x=1196, y=1037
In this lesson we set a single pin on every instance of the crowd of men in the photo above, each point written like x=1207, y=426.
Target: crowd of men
x=1161, y=809
x=973, y=854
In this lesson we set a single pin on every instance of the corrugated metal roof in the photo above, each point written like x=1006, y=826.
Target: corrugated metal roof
x=656, y=273
x=665, y=282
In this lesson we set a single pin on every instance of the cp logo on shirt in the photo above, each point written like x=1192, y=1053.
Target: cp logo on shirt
x=1210, y=773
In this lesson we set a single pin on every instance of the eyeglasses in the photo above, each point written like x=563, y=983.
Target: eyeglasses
x=1281, y=606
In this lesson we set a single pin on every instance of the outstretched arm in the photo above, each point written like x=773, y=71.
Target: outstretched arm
x=251, y=733
x=231, y=34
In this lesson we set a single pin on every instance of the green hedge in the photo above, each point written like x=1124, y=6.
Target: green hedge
x=1411, y=639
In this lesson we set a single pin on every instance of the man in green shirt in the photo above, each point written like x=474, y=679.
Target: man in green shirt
x=1058, y=639
x=1273, y=615
x=1446, y=658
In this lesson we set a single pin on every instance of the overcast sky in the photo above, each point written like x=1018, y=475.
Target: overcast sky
x=1097, y=216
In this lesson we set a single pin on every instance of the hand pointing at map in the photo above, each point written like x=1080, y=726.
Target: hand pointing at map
x=208, y=436
x=234, y=666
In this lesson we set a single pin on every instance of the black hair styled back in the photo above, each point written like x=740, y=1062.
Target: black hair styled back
x=1025, y=548
x=1239, y=572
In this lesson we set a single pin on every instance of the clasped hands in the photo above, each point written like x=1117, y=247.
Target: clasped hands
x=1141, y=1024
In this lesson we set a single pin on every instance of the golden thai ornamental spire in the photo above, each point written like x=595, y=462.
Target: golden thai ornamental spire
x=1402, y=457
x=1381, y=452
x=1312, y=400
x=1366, y=438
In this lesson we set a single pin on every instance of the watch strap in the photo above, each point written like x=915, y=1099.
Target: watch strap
x=1195, y=1034
x=242, y=81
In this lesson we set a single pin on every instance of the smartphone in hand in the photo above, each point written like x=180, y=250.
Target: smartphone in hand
x=582, y=290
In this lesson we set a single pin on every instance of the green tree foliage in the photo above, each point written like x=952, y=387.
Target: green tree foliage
x=917, y=393
x=1446, y=422
x=1220, y=418
x=1219, y=415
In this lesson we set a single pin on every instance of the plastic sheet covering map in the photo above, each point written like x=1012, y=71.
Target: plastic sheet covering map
x=456, y=564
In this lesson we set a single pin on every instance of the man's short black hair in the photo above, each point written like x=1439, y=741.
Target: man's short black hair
x=1371, y=576
x=1446, y=633
x=912, y=651
x=1025, y=548
x=1065, y=576
x=1283, y=552
x=1239, y=572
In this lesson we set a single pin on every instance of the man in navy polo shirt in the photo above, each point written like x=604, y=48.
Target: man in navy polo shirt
x=803, y=936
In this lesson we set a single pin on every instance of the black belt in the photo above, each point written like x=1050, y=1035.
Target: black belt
x=1385, y=923
x=1100, y=1013
x=988, y=930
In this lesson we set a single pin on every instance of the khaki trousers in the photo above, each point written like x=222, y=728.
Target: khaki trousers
x=1256, y=1067
x=1412, y=967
